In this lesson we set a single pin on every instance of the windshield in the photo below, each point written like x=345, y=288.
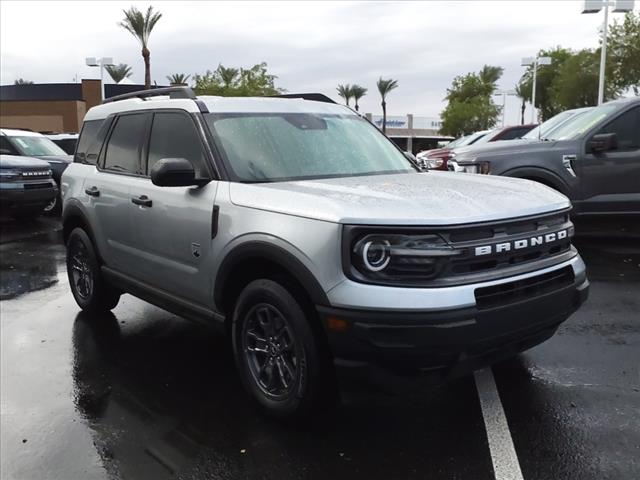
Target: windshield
x=471, y=139
x=36, y=146
x=486, y=138
x=288, y=146
x=543, y=130
x=578, y=124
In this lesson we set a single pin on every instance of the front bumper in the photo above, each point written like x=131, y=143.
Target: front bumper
x=399, y=348
x=23, y=196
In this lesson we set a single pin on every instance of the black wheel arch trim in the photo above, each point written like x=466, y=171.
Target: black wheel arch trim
x=74, y=210
x=267, y=251
x=553, y=179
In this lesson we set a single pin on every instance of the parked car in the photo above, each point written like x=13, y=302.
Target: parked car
x=66, y=141
x=593, y=158
x=436, y=159
x=32, y=144
x=311, y=239
x=26, y=186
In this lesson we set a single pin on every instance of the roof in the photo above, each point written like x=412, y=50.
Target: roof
x=10, y=132
x=62, y=136
x=220, y=105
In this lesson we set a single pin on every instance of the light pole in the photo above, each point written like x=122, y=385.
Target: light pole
x=100, y=62
x=594, y=6
x=503, y=94
x=534, y=61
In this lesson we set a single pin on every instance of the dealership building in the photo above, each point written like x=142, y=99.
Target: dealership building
x=53, y=107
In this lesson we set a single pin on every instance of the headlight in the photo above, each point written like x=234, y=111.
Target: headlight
x=396, y=258
x=469, y=167
x=9, y=174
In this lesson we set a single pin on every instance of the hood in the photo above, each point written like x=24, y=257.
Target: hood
x=14, y=161
x=434, y=151
x=433, y=198
x=57, y=158
x=504, y=147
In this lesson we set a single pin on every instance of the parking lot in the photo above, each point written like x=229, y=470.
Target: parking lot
x=144, y=394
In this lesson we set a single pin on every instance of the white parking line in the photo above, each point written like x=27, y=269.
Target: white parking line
x=503, y=454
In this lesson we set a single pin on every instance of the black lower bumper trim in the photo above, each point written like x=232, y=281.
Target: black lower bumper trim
x=390, y=349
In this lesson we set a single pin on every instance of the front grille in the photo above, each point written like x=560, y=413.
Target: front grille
x=483, y=237
x=33, y=174
x=511, y=292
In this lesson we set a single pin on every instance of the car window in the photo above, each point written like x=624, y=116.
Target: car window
x=35, y=146
x=88, y=136
x=67, y=144
x=173, y=135
x=123, y=148
x=514, y=133
x=287, y=146
x=579, y=124
x=5, y=144
x=627, y=129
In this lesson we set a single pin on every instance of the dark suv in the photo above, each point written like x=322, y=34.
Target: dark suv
x=594, y=159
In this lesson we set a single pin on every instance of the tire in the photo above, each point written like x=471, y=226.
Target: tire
x=54, y=208
x=279, y=358
x=90, y=290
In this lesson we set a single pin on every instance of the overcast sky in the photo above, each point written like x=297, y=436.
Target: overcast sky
x=310, y=46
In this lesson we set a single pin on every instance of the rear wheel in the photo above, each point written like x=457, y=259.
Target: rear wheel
x=90, y=290
x=278, y=356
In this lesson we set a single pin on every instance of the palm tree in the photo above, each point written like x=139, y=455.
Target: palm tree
x=140, y=26
x=118, y=72
x=228, y=75
x=178, y=79
x=345, y=92
x=358, y=92
x=523, y=95
x=384, y=87
x=22, y=81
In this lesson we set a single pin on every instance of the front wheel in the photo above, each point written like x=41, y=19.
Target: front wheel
x=279, y=358
x=90, y=290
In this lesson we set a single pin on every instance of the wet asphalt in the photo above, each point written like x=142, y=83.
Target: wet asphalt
x=143, y=394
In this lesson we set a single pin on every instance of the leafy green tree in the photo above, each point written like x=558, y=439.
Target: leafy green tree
x=576, y=84
x=358, y=92
x=470, y=105
x=384, y=88
x=22, y=81
x=345, y=92
x=232, y=82
x=623, y=54
x=118, y=72
x=546, y=77
x=140, y=26
x=178, y=79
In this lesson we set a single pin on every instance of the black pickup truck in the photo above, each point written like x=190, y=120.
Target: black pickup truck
x=594, y=159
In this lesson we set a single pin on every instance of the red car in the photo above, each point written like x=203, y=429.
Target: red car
x=437, y=159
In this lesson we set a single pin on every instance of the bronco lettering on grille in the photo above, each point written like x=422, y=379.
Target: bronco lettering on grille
x=522, y=243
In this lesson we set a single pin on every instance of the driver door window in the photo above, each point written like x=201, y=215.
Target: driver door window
x=173, y=135
x=627, y=129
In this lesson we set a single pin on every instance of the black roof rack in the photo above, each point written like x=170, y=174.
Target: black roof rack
x=316, y=97
x=172, y=92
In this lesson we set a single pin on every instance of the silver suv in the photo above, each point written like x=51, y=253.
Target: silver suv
x=321, y=249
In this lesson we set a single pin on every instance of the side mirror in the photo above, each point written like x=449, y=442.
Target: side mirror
x=175, y=172
x=602, y=142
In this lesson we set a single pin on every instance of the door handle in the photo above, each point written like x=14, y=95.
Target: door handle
x=93, y=191
x=142, y=200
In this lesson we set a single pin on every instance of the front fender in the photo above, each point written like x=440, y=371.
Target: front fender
x=545, y=176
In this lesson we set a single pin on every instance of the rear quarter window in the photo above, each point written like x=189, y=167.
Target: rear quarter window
x=88, y=145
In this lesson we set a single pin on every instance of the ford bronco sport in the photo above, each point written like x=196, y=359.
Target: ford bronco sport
x=319, y=246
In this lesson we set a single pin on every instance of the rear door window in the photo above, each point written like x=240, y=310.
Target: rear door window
x=86, y=142
x=123, y=150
